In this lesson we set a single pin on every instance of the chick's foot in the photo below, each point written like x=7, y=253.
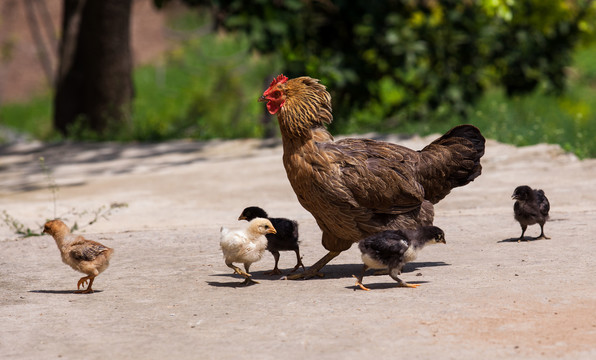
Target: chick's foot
x=405, y=284
x=82, y=281
x=359, y=283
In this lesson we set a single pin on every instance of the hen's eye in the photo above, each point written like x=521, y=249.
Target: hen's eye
x=275, y=94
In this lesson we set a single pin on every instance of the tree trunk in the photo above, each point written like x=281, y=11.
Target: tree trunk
x=94, y=80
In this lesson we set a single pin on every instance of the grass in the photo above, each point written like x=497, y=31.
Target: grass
x=207, y=88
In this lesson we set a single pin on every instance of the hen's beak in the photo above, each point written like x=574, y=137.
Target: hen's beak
x=262, y=98
x=242, y=217
x=513, y=197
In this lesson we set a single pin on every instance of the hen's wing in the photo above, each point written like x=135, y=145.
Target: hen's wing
x=376, y=175
x=86, y=250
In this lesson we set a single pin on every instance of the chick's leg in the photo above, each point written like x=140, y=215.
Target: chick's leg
x=82, y=282
x=314, y=270
x=359, y=279
x=275, y=270
x=298, y=261
x=542, y=236
x=238, y=271
x=400, y=282
x=521, y=237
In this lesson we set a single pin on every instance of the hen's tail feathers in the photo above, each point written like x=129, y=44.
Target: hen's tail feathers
x=450, y=161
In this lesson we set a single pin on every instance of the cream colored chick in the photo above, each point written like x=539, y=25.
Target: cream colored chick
x=86, y=256
x=245, y=246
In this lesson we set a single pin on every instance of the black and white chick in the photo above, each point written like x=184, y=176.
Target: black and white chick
x=392, y=249
x=531, y=207
x=245, y=246
x=286, y=238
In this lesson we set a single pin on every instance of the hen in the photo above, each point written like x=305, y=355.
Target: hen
x=245, y=246
x=358, y=187
x=392, y=249
x=86, y=256
x=286, y=238
x=531, y=207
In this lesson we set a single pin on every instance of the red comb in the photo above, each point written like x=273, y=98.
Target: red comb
x=280, y=79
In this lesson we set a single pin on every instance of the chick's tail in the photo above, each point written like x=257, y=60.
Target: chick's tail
x=450, y=161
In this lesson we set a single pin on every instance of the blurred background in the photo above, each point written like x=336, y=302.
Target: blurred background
x=524, y=71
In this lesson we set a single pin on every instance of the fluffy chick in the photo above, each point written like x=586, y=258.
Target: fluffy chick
x=286, y=238
x=245, y=245
x=531, y=207
x=392, y=249
x=86, y=256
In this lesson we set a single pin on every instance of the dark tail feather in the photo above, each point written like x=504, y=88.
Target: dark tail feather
x=450, y=161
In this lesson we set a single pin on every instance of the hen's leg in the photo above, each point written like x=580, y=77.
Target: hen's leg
x=314, y=270
x=359, y=279
x=521, y=237
x=275, y=270
x=82, y=282
x=542, y=236
x=298, y=261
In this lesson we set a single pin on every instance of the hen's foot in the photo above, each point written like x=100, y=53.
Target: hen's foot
x=314, y=270
x=359, y=283
x=275, y=271
x=541, y=237
x=307, y=274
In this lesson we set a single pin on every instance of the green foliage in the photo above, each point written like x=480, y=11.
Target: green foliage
x=410, y=60
x=32, y=117
x=206, y=89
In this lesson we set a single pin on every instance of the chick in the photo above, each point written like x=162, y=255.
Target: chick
x=531, y=207
x=285, y=239
x=392, y=249
x=245, y=245
x=86, y=256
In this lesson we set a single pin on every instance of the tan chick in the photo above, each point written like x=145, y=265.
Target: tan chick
x=86, y=256
x=245, y=246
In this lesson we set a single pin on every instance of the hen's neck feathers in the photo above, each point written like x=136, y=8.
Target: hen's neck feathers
x=306, y=111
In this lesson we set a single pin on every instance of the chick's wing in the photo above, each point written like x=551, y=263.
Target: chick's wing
x=86, y=250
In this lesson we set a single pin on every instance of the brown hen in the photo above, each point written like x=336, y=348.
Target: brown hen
x=358, y=187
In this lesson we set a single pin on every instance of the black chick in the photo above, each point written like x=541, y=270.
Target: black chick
x=285, y=239
x=392, y=249
x=531, y=207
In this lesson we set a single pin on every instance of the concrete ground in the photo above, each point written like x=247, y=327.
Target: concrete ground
x=168, y=293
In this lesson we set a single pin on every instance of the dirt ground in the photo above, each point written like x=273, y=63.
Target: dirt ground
x=168, y=293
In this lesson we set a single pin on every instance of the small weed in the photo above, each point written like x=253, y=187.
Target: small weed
x=85, y=217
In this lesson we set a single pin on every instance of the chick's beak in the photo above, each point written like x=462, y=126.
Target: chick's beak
x=242, y=217
x=272, y=231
